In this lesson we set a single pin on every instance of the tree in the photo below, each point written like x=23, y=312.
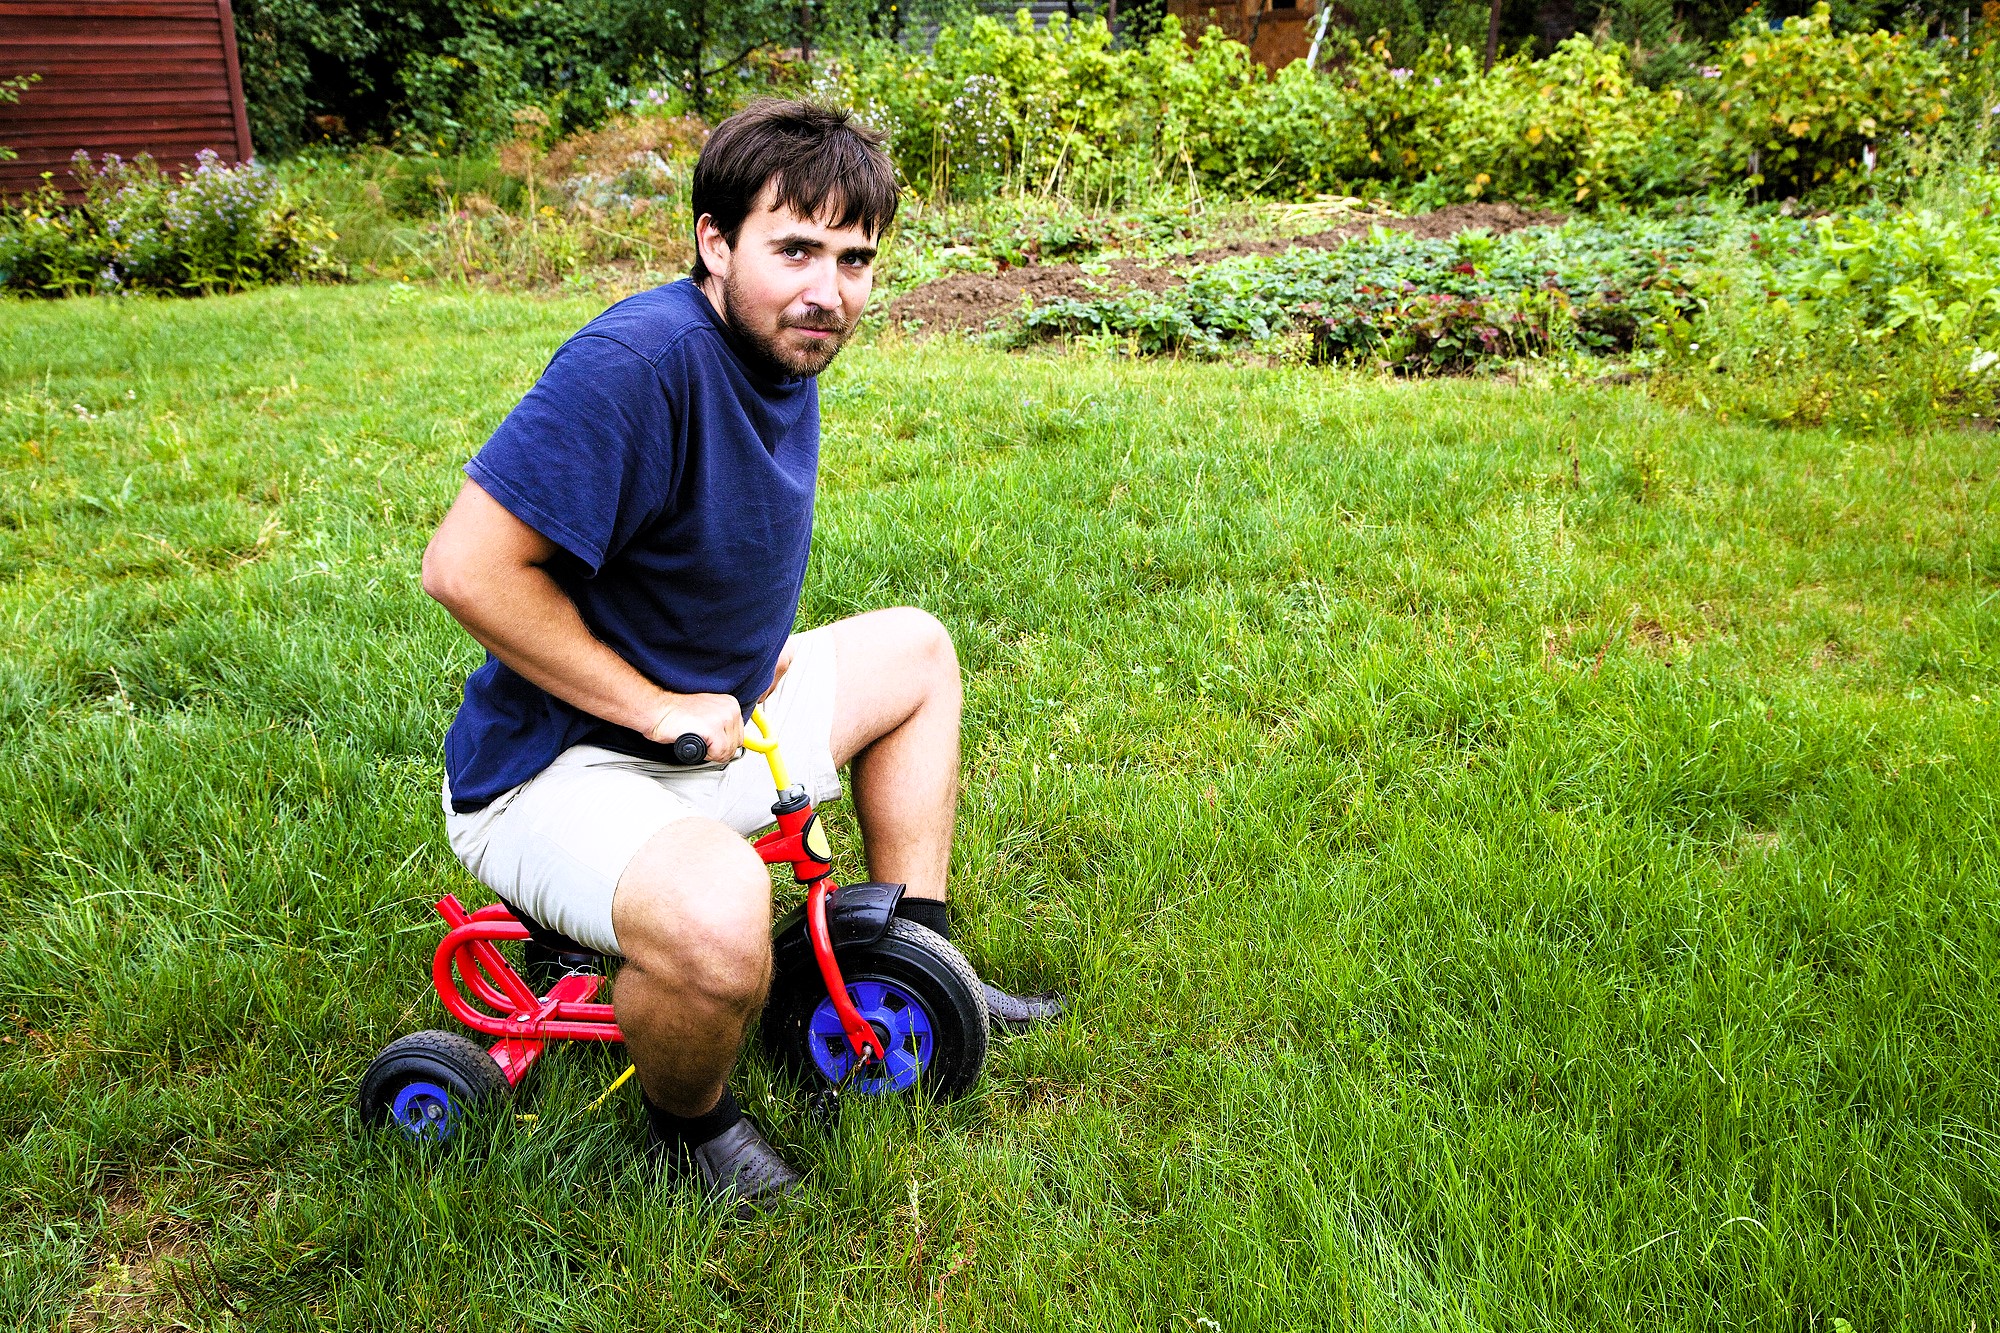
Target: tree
x=450, y=73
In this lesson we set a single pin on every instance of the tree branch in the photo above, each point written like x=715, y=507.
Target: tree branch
x=746, y=53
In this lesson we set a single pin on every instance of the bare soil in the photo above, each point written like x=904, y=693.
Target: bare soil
x=977, y=301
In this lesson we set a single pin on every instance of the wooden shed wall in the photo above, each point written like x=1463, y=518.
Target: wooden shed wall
x=119, y=76
x=1276, y=33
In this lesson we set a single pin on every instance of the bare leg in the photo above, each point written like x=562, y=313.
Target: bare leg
x=693, y=916
x=897, y=702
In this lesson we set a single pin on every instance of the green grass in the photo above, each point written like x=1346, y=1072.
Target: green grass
x=1520, y=857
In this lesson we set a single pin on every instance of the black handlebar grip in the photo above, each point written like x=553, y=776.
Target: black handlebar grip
x=690, y=748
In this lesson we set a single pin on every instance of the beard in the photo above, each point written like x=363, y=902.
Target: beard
x=768, y=352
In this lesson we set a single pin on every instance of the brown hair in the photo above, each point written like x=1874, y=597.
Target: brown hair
x=814, y=156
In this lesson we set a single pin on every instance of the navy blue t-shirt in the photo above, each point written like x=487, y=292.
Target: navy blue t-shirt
x=678, y=484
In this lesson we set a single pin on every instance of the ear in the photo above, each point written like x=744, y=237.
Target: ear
x=713, y=245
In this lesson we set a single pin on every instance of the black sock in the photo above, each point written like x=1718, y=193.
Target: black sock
x=682, y=1133
x=930, y=913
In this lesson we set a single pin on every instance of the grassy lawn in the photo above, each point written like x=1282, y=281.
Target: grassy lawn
x=1520, y=857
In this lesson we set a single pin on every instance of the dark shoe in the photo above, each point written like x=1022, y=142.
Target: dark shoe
x=543, y=966
x=737, y=1166
x=1011, y=1015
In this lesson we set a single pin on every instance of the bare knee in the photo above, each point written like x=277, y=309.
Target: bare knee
x=894, y=666
x=927, y=645
x=693, y=911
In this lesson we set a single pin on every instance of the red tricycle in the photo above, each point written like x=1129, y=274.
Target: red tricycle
x=861, y=1000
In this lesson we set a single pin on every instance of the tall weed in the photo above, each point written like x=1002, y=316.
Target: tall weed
x=608, y=206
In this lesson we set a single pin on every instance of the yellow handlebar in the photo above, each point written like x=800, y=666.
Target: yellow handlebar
x=767, y=745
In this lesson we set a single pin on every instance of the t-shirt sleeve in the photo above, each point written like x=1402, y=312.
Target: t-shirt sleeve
x=591, y=454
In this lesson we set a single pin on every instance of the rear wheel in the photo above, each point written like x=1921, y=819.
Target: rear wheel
x=426, y=1083
x=914, y=989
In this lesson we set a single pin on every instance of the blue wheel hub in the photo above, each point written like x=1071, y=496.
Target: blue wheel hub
x=900, y=1022
x=425, y=1112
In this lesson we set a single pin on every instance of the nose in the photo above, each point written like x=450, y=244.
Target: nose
x=823, y=284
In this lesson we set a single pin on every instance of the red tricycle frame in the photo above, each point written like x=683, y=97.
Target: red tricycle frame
x=483, y=991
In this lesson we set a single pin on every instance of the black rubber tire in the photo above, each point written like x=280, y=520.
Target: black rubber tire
x=919, y=962
x=460, y=1067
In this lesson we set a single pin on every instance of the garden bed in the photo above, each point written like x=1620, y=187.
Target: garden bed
x=979, y=301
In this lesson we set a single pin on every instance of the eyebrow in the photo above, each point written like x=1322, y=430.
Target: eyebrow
x=813, y=243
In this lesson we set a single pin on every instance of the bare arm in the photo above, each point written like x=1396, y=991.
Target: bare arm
x=485, y=566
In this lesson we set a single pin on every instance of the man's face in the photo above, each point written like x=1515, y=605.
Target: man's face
x=791, y=288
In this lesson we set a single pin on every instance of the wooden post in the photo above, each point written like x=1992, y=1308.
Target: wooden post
x=244, y=152
x=1492, y=34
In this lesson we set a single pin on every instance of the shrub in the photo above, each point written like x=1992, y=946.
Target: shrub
x=216, y=228
x=1575, y=127
x=1802, y=110
x=1401, y=110
x=1297, y=135
x=993, y=104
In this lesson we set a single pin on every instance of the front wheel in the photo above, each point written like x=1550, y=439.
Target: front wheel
x=425, y=1084
x=917, y=992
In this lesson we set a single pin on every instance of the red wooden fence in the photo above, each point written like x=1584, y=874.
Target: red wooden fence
x=119, y=76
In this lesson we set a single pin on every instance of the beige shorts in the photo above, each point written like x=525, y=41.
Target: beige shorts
x=556, y=845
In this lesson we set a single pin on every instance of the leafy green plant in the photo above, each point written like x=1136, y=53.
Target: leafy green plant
x=1804, y=110
x=10, y=93
x=1874, y=319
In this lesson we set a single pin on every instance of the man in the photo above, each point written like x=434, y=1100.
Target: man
x=629, y=548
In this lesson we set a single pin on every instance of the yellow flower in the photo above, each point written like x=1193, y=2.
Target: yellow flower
x=1534, y=134
x=1800, y=127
